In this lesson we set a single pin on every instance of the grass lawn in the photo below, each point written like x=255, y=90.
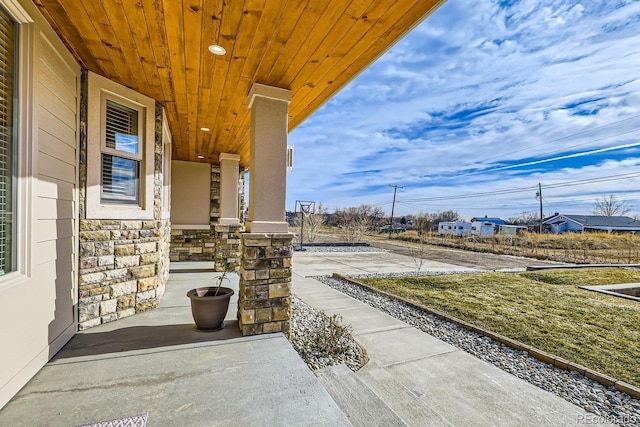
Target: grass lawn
x=544, y=309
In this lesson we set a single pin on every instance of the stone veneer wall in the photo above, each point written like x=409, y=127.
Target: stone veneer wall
x=192, y=245
x=123, y=264
x=227, y=250
x=264, y=301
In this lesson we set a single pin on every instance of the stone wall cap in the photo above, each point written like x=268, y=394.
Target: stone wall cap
x=190, y=227
x=267, y=235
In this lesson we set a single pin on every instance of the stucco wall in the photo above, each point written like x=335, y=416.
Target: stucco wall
x=190, y=193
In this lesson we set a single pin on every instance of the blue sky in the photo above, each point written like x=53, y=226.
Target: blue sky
x=483, y=97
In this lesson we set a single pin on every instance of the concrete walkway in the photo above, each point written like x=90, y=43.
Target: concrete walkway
x=423, y=380
x=156, y=363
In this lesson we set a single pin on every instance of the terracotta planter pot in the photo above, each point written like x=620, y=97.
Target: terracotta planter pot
x=209, y=309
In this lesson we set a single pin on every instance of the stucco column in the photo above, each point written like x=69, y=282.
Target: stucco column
x=268, y=183
x=229, y=177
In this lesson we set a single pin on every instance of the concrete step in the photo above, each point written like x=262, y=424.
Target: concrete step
x=358, y=402
x=405, y=403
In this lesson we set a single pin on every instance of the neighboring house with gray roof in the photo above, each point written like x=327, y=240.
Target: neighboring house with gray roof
x=561, y=223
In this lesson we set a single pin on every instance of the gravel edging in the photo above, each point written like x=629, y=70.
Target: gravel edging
x=321, y=340
x=606, y=402
x=326, y=249
x=532, y=351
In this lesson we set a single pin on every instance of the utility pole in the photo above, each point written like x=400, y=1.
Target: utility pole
x=540, y=196
x=393, y=205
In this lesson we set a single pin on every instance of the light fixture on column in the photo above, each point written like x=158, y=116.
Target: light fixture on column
x=290, y=158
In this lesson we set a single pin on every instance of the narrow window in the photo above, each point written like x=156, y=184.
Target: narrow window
x=121, y=154
x=8, y=126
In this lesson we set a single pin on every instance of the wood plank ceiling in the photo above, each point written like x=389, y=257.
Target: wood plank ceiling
x=160, y=48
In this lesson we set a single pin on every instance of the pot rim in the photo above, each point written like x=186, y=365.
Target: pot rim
x=224, y=292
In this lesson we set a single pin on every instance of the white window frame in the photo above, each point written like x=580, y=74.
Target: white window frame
x=99, y=90
x=166, y=167
x=23, y=186
x=114, y=152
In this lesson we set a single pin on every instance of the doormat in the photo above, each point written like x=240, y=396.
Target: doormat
x=132, y=421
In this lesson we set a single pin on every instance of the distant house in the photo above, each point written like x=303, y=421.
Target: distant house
x=483, y=228
x=455, y=228
x=496, y=221
x=561, y=223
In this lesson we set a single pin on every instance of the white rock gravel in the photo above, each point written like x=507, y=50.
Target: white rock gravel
x=606, y=403
x=316, y=249
x=320, y=342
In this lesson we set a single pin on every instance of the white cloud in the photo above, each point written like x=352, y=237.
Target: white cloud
x=476, y=87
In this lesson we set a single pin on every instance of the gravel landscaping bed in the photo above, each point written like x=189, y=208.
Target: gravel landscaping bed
x=323, y=340
x=339, y=249
x=606, y=403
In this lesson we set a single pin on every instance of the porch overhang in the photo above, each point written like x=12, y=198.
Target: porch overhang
x=160, y=49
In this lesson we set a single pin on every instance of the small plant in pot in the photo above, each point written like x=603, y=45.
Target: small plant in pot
x=209, y=304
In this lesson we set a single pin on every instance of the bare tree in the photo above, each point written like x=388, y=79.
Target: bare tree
x=377, y=215
x=313, y=222
x=423, y=223
x=446, y=216
x=610, y=206
x=525, y=217
x=355, y=221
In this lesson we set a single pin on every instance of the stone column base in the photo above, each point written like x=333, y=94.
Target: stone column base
x=264, y=301
x=227, y=252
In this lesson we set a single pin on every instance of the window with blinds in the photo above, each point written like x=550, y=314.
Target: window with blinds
x=8, y=99
x=121, y=154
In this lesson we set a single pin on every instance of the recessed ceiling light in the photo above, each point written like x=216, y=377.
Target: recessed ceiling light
x=200, y=156
x=205, y=129
x=217, y=49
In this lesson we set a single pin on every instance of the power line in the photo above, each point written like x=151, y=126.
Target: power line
x=520, y=204
x=471, y=195
x=618, y=177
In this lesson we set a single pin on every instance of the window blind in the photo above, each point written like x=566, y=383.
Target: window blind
x=121, y=173
x=120, y=179
x=121, y=127
x=8, y=40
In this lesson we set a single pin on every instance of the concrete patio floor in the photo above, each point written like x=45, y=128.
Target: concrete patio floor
x=156, y=363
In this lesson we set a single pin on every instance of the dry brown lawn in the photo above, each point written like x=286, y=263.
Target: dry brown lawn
x=544, y=309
